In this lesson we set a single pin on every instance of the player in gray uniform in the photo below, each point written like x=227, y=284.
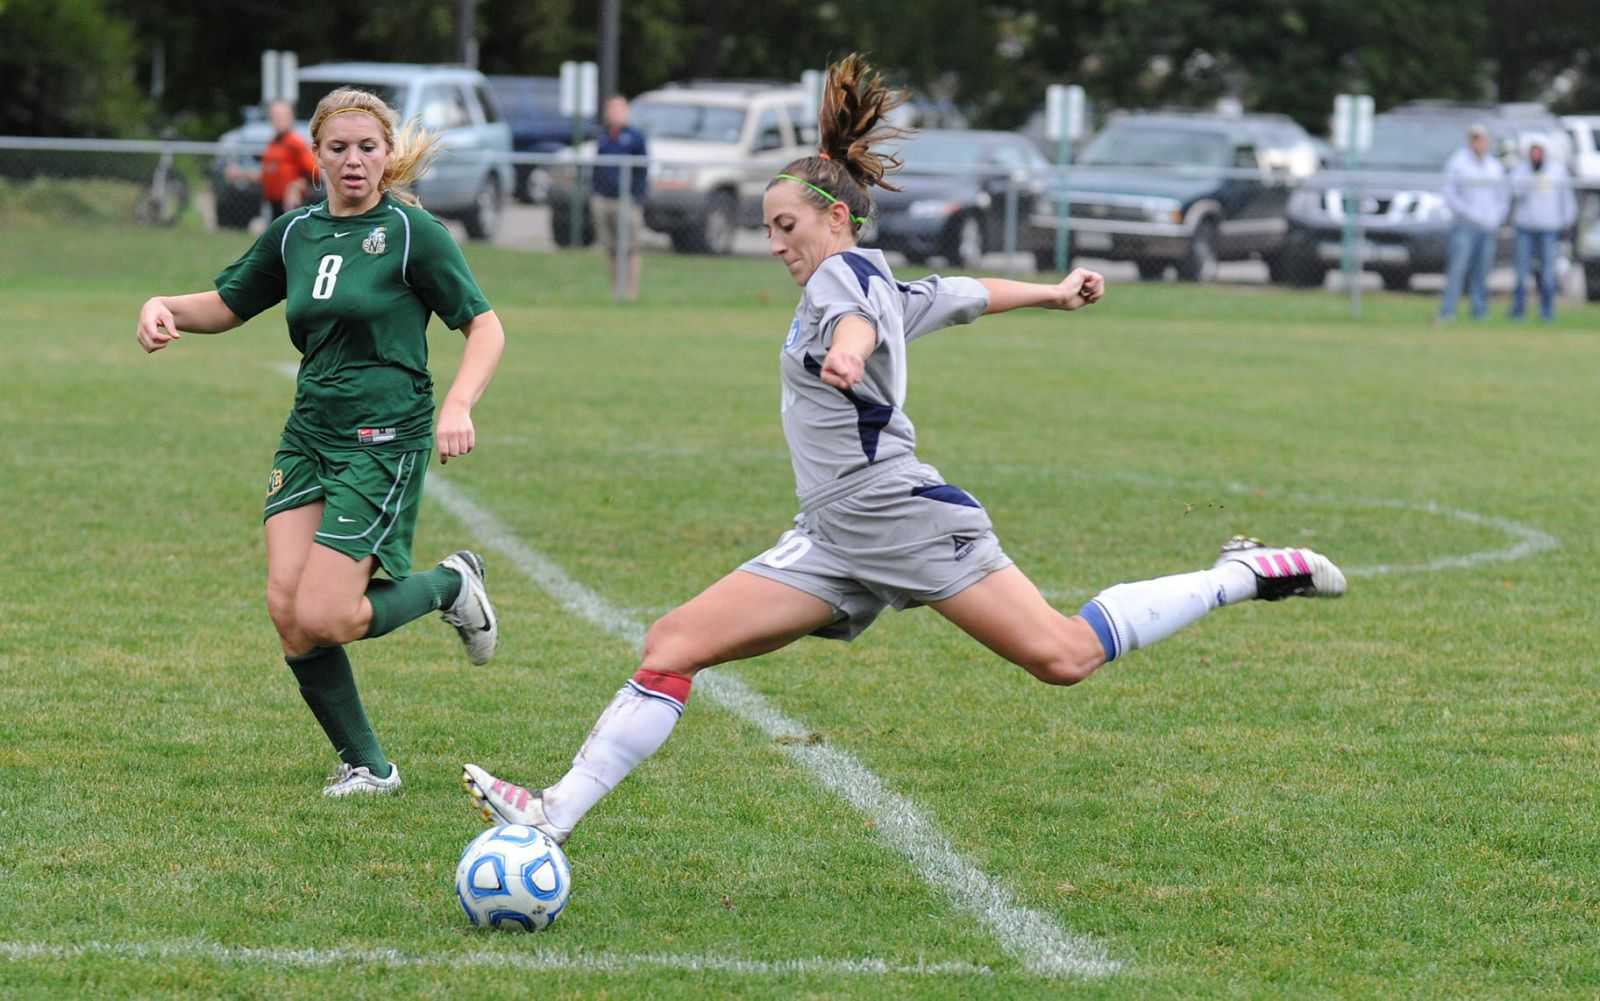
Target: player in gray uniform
x=877, y=527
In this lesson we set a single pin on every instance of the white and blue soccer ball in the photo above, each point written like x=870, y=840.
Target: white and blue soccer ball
x=513, y=877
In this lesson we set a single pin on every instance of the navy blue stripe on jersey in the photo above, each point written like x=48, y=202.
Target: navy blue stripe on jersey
x=946, y=492
x=871, y=418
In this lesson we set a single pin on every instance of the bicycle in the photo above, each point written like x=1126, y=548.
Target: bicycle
x=164, y=200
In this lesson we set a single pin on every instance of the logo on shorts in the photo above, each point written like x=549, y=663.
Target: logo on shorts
x=964, y=544
x=376, y=242
x=274, y=482
x=375, y=436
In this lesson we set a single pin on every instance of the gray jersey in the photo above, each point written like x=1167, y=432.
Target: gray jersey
x=832, y=432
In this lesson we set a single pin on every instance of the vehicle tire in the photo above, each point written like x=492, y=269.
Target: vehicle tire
x=1151, y=271
x=1200, y=263
x=1298, y=263
x=561, y=222
x=1394, y=280
x=521, y=186
x=235, y=207
x=917, y=259
x=1591, y=281
x=963, y=241
x=488, y=209
x=1044, y=261
x=165, y=208
x=718, y=227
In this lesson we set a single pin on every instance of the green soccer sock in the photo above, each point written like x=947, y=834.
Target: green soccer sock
x=396, y=602
x=329, y=688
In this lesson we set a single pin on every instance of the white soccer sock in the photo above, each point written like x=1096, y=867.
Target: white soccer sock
x=1129, y=616
x=638, y=721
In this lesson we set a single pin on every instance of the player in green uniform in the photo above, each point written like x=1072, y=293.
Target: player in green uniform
x=361, y=273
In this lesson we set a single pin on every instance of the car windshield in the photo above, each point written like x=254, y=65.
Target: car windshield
x=1158, y=146
x=925, y=150
x=1410, y=142
x=312, y=91
x=680, y=120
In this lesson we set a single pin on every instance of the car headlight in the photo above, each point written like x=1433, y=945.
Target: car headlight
x=932, y=209
x=1306, y=202
x=1164, y=209
x=1429, y=207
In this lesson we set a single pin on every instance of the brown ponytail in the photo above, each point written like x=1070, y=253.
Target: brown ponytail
x=854, y=118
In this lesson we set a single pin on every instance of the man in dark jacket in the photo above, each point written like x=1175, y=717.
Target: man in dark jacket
x=618, y=221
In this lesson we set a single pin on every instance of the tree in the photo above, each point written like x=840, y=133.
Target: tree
x=68, y=66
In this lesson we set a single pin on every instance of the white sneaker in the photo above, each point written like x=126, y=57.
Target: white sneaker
x=357, y=779
x=500, y=802
x=471, y=614
x=1284, y=573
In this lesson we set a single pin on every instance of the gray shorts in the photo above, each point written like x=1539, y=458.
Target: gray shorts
x=608, y=216
x=905, y=538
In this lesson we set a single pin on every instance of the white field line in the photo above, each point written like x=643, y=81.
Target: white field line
x=1031, y=936
x=475, y=960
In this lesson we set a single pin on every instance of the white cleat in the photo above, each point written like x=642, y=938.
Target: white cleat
x=500, y=802
x=357, y=780
x=1284, y=573
x=471, y=614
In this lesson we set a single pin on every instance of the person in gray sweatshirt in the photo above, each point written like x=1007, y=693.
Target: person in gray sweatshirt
x=1545, y=208
x=1475, y=191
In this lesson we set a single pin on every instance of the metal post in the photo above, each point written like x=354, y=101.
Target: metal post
x=1011, y=215
x=621, y=265
x=467, y=32
x=1063, y=202
x=610, y=30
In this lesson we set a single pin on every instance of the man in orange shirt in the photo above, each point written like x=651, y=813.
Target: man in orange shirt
x=287, y=165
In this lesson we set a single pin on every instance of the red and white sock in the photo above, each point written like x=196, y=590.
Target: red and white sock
x=636, y=723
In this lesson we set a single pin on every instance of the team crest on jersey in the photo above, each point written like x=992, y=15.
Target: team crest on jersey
x=274, y=482
x=376, y=242
x=794, y=334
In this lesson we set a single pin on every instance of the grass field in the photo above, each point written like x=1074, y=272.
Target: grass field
x=1390, y=795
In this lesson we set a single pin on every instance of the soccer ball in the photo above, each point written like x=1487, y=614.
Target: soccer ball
x=513, y=877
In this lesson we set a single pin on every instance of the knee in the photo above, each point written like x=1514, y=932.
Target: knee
x=321, y=624
x=1067, y=656
x=281, y=610
x=669, y=647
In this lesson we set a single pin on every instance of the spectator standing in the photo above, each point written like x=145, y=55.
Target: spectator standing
x=1475, y=191
x=1545, y=208
x=622, y=249
x=287, y=166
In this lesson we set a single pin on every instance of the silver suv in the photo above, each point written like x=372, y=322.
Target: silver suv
x=470, y=179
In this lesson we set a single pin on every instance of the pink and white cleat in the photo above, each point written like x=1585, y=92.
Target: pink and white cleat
x=1284, y=573
x=500, y=802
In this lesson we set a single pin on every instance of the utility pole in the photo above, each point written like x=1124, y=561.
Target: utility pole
x=610, y=30
x=467, y=32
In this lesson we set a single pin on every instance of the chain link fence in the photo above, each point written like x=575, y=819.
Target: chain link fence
x=1342, y=231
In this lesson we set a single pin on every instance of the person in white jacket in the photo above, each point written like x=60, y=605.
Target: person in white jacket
x=1545, y=208
x=1475, y=191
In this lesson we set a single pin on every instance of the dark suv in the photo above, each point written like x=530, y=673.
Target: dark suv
x=1397, y=189
x=532, y=107
x=1183, y=190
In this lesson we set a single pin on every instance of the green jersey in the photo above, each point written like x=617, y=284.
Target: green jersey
x=360, y=290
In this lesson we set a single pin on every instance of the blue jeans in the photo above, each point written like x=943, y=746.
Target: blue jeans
x=1540, y=245
x=1471, y=254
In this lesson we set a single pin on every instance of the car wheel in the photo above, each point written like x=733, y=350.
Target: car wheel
x=488, y=208
x=235, y=207
x=717, y=229
x=1044, y=261
x=1298, y=263
x=1200, y=264
x=1591, y=281
x=1151, y=271
x=1395, y=281
x=963, y=242
x=561, y=222
x=917, y=259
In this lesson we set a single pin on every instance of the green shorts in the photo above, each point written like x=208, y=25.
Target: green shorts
x=370, y=498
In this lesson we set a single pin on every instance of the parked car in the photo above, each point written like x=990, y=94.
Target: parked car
x=1583, y=131
x=713, y=145
x=1182, y=190
x=470, y=179
x=953, y=198
x=1398, y=193
x=531, y=106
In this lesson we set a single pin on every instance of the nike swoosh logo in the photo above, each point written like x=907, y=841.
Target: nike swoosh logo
x=346, y=521
x=337, y=235
x=488, y=623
